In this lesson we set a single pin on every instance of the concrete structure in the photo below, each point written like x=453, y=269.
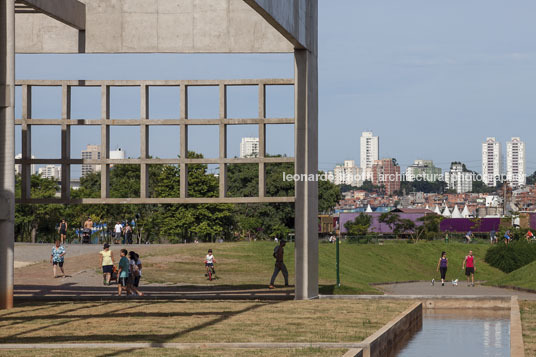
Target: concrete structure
x=18, y=167
x=185, y=26
x=459, y=179
x=386, y=173
x=249, y=147
x=491, y=162
x=423, y=170
x=50, y=172
x=347, y=174
x=92, y=152
x=369, y=153
x=515, y=163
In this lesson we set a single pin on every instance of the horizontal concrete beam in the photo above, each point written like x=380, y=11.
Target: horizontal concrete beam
x=136, y=122
x=127, y=83
x=69, y=12
x=148, y=161
x=170, y=200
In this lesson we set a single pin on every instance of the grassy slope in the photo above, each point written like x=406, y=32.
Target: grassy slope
x=522, y=277
x=252, y=264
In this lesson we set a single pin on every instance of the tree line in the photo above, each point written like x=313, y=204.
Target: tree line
x=172, y=222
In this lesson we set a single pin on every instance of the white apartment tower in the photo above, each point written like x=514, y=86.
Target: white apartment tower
x=491, y=161
x=92, y=152
x=515, y=162
x=50, y=172
x=347, y=174
x=249, y=147
x=370, y=147
x=459, y=180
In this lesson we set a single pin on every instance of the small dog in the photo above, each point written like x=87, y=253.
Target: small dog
x=455, y=282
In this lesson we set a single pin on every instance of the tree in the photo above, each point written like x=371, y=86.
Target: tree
x=328, y=196
x=398, y=225
x=359, y=226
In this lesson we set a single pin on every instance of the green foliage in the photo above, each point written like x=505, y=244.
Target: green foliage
x=429, y=227
x=359, y=226
x=512, y=256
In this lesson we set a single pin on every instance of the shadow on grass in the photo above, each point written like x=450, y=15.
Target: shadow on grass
x=345, y=290
x=155, y=339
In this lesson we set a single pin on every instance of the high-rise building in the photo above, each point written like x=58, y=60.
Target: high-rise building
x=423, y=170
x=249, y=147
x=118, y=154
x=50, y=172
x=458, y=178
x=347, y=174
x=491, y=162
x=92, y=152
x=515, y=162
x=369, y=151
x=386, y=173
x=18, y=167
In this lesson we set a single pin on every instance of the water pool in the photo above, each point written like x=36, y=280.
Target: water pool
x=461, y=333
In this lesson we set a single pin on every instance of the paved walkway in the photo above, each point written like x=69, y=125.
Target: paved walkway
x=34, y=281
x=426, y=288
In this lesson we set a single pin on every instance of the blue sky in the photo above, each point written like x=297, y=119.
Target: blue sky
x=432, y=78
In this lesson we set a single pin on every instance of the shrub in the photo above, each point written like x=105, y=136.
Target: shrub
x=512, y=256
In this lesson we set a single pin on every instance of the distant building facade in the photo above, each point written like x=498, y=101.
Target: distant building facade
x=491, y=161
x=347, y=174
x=515, y=162
x=458, y=179
x=369, y=153
x=92, y=152
x=249, y=147
x=423, y=170
x=386, y=173
x=50, y=172
x=18, y=167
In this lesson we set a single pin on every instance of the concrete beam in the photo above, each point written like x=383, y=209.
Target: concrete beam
x=69, y=12
x=294, y=19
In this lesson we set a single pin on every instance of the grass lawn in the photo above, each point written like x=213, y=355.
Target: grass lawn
x=528, y=322
x=522, y=277
x=251, y=264
x=157, y=352
x=197, y=321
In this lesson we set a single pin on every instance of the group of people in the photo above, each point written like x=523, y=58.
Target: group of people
x=128, y=271
x=468, y=265
x=124, y=231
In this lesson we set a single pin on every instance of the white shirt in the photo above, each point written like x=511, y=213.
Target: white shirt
x=118, y=228
x=209, y=259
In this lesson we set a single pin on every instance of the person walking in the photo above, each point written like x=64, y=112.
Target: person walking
x=469, y=236
x=107, y=263
x=123, y=273
x=88, y=228
x=279, y=264
x=469, y=266
x=135, y=273
x=492, y=236
x=127, y=233
x=62, y=230
x=442, y=265
x=118, y=228
x=507, y=237
x=57, y=258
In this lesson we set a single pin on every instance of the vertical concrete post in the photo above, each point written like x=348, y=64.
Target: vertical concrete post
x=26, y=174
x=7, y=150
x=184, y=142
x=105, y=141
x=144, y=140
x=306, y=163
x=65, y=143
x=262, y=139
x=223, y=141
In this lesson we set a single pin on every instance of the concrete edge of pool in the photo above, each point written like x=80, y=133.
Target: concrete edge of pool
x=385, y=341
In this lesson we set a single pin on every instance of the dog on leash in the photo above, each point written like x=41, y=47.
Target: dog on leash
x=455, y=282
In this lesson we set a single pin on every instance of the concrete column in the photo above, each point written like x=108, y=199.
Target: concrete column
x=184, y=142
x=105, y=141
x=262, y=140
x=7, y=150
x=66, y=143
x=306, y=151
x=144, y=140
x=26, y=142
x=223, y=141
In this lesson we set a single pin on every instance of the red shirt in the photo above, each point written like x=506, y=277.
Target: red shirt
x=470, y=261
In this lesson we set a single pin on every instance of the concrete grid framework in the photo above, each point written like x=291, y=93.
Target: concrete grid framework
x=171, y=26
x=145, y=123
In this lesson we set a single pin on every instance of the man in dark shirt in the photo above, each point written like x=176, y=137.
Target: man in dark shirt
x=279, y=265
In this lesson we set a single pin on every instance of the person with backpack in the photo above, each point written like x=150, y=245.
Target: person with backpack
x=279, y=264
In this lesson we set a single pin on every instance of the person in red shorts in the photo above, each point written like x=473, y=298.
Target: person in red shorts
x=469, y=266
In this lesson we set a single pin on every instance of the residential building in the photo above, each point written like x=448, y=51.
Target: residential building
x=515, y=162
x=18, y=167
x=491, y=162
x=347, y=174
x=50, y=172
x=386, y=173
x=369, y=153
x=423, y=170
x=249, y=147
x=118, y=154
x=92, y=152
x=458, y=178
